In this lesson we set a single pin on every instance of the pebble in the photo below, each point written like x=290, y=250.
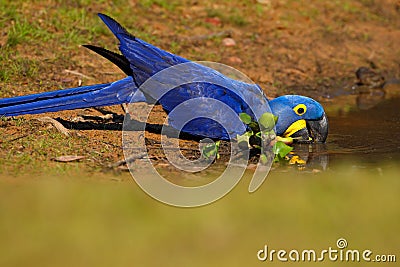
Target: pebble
x=266, y=78
x=234, y=60
x=228, y=42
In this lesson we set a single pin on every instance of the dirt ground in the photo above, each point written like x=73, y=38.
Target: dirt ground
x=285, y=46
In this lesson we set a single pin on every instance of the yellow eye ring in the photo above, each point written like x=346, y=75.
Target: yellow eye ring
x=300, y=109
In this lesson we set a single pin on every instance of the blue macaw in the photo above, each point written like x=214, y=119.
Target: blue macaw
x=199, y=100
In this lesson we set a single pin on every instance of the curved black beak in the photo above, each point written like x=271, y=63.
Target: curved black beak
x=318, y=129
x=315, y=131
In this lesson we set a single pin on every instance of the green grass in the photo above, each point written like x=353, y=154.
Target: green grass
x=16, y=66
x=22, y=31
x=39, y=32
x=237, y=19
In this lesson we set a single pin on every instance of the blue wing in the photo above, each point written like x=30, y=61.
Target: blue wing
x=204, y=102
x=199, y=99
x=175, y=80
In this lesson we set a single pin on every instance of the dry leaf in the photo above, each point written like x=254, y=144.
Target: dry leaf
x=68, y=158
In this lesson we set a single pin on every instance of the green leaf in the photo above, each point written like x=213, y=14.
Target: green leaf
x=244, y=117
x=267, y=121
x=244, y=140
x=211, y=150
x=254, y=126
x=281, y=149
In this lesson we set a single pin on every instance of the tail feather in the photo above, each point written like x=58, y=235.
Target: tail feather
x=119, y=60
x=145, y=59
x=7, y=102
x=117, y=29
x=81, y=97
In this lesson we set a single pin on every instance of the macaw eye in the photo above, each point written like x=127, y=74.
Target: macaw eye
x=300, y=109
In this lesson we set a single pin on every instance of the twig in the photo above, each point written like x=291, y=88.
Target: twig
x=79, y=74
x=125, y=108
x=16, y=138
x=128, y=160
x=56, y=124
x=106, y=117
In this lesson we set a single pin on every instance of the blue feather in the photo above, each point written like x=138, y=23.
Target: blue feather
x=145, y=59
x=199, y=99
x=81, y=97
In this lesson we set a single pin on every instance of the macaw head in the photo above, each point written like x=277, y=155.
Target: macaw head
x=300, y=117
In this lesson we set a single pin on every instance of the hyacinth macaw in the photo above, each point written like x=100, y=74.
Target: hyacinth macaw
x=199, y=100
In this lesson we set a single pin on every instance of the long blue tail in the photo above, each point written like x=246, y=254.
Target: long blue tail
x=97, y=95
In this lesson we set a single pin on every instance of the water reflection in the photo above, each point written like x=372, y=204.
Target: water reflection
x=316, y=156
x=364, y=129
x=369, y=97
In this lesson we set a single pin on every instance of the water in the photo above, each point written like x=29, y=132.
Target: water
x=364, y=130
x=372, y=132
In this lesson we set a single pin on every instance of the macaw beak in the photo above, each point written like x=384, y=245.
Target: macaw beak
x=306, y=131
x=318, y=129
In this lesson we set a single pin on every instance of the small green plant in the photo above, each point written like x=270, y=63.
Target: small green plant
x=264, y=126
x=263, y=131
x=210, y=150
x=280, y=150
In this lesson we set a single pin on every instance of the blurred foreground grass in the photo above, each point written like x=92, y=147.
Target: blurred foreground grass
x=79, y=221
